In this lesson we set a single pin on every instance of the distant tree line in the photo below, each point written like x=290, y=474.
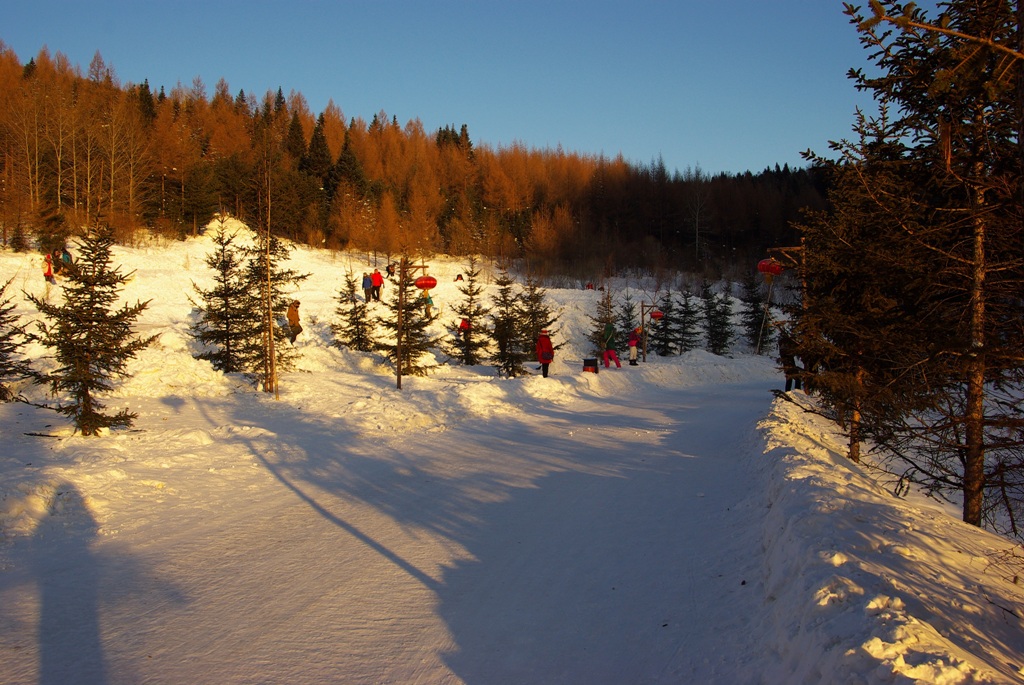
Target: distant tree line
x=82, y=150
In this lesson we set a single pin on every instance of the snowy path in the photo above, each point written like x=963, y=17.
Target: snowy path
x=581, y=543
x=627, y=568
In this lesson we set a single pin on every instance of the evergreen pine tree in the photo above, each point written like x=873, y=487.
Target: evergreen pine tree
x=349, y=170
x=626, y=320
x=52, y=233
x=413, y=335
x=686, y=331
x=862, y=312
x=660, y=339
x=942, y=180
x=473, y=339
x=755, y=316
x=225, y=321
x=507, y=328
x=605, y=315
x=718, y=334
x=19, y=239
x=317, y=159
x=261, y=291
x=12, y=338
x=92, y=342
x=295, y=143
x=354, y=329
x=537, y=315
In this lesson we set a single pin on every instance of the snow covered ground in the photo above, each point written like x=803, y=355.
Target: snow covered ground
x=667, y=523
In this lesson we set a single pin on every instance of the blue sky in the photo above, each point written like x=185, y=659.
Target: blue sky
x=724, y=85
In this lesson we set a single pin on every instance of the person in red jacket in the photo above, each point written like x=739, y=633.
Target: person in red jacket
x=377, y=280
x=48, y=269
x=545, y=352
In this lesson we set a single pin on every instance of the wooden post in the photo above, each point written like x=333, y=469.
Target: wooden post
x=645, y=310
x=271, y=384
x=402, y=267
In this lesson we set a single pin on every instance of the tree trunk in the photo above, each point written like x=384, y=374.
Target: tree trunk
x=855, y=418
x=974, y=418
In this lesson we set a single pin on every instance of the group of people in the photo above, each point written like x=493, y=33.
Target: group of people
x=546, y=351
x=372, y=283
x=797, y=377
x=56, y=262
x=609, y=338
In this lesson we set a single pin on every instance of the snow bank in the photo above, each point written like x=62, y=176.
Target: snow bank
x=883, y=589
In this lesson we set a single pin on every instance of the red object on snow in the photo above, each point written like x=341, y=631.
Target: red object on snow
x=770, y=267
x=425, y=282
x=657, y=315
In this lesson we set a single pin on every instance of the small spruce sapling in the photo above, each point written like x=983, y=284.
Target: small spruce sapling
x=353, y=329
x=92, y=342
x=472, y=338
x=507, y=328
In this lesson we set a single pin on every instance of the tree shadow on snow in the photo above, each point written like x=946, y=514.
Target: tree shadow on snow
x=533, y=507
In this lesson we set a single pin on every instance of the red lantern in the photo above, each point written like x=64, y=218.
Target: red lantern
x=425, y=282
x=770, y=267
x=657, y=315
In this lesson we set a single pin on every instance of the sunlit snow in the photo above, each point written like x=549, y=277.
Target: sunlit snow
x=666, y=523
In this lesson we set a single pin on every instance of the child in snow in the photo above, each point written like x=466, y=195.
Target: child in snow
x=634, y=342
x=48, y=269
x=293, y=320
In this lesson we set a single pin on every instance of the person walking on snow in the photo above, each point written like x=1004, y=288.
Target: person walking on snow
x=545, y=352
x=787, y=358
x=634, y=342
x=293, y=320
x=48, y=269
x=367, y=287
x=608, y=340
x=428, y=303
x=377, y=282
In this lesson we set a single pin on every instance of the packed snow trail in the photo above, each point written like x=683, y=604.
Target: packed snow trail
x=607, y=537
x=639, y=565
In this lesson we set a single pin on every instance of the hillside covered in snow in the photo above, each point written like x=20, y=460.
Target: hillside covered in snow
x=667, y=523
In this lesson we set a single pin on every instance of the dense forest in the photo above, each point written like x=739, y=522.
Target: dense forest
x=81, y=151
